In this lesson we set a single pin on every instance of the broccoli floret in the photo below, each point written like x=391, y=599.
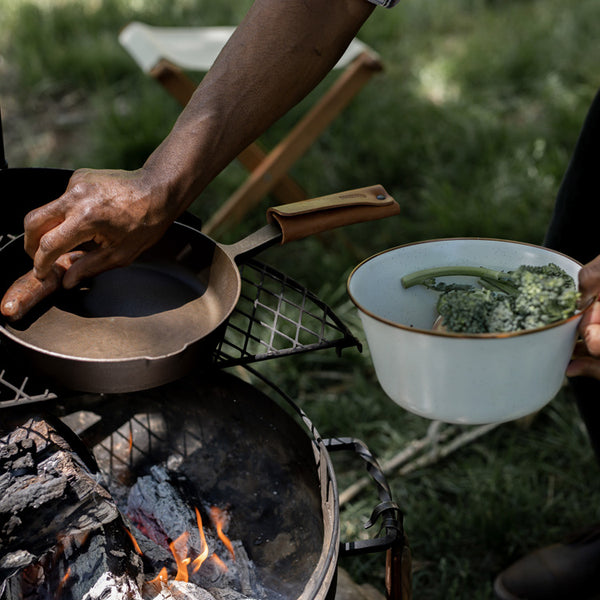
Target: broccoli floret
x=464, y=310
x=503, y=301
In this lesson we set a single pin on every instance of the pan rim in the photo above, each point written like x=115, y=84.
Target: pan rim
x=233, y=275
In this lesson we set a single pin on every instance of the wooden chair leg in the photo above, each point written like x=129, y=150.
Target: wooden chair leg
x=398, y=573
x=174, y=80
x=181, y=87
x=295, y=144
x=285, y=189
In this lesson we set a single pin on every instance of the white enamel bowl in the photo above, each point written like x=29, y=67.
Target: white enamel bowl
x=457, y=378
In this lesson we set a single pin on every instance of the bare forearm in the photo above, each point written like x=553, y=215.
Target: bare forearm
x=278, y=54
x=281, y=50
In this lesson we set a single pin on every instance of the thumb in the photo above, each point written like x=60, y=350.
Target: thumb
x=591, y=337
x=586, y=367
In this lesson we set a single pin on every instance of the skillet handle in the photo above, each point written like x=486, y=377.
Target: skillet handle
x=298, y=220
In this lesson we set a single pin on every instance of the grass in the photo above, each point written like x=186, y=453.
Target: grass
x=470, y=127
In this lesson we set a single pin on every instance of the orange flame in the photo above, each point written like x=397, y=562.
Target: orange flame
x=179, y=549
x=136, y=546
x=63, y=581
x=220, y=518
x=162, y=577
x=204, y=554
x=220, y=564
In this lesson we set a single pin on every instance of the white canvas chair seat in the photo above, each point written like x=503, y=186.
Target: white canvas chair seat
x=166, y=53
x=192, y=48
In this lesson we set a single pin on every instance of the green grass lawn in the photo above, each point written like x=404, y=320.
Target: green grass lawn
x=470, y=127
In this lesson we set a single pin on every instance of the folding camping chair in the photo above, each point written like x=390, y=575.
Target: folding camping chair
x=167, y=53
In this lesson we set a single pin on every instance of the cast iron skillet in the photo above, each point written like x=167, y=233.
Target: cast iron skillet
x=147, y=324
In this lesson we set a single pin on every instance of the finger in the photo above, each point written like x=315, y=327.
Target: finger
x=586, y=367
x=39, y=222
x=591, y=337
x=56, y=242
x=590, y=316
x=589, y=280
x=66, y=261
x=29, y=290
x=25, y=293
x=41, y=239
x=91, y=264
x=580, y=349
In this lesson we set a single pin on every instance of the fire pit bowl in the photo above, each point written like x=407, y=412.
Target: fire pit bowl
x=145, y=462
x=458, y=378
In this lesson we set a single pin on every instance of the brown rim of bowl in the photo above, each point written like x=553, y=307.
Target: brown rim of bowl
x=450, y=334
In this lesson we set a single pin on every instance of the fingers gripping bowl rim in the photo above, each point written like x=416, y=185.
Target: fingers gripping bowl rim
x=458, y=378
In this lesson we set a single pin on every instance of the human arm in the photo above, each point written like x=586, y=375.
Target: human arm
x=277, y=55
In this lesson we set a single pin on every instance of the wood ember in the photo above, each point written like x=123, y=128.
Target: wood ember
x=62, y=534
x=59, y=527
x=155, y=555
x=162, y=513
x=104, y=565
x=226, y=594
x=112, y=587
x=46, y=492
x=96, y=566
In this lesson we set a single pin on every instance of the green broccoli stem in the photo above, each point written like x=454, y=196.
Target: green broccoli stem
x=484, y=273
x=502, y=286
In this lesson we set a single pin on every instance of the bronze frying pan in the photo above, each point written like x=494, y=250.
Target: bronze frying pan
x=147, y=324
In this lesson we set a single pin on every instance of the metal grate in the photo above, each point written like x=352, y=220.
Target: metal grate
x=16, y=385
x=17, y=389
x=275, y=316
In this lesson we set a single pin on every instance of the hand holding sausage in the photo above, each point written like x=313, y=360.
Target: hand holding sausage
x=120, y=211
x=28, y=290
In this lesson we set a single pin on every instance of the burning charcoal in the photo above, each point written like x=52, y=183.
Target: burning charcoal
x=159, y=511
x=99, y=566
x=105, y=557
x=153, y=554
x=245, y=571
x=158, y=508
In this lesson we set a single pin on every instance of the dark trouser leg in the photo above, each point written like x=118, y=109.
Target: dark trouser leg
x=570, y=569
x=575, y=230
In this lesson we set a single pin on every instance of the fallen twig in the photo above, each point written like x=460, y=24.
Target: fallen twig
x=433, y=439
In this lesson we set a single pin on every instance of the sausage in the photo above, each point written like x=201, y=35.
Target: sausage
x=28, y=290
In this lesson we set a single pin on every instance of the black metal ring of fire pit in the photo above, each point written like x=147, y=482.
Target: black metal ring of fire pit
x=387, y=512
x=286, y=443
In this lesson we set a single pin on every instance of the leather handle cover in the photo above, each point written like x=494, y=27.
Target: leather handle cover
x=307, y=217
